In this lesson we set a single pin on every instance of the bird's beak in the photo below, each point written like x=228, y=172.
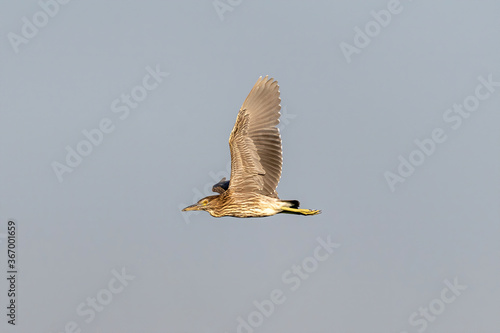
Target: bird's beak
x=192, y=207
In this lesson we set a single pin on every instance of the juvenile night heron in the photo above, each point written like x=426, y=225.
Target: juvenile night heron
x=256, y=159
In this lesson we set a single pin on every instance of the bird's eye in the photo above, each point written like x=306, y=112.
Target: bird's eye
x=204, y=202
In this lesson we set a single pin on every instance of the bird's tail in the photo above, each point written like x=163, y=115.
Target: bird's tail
x=292, y=203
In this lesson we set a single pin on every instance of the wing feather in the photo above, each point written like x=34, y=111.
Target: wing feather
x=255, y=141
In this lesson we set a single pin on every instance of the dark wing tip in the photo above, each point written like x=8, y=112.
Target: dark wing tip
x=221, y=186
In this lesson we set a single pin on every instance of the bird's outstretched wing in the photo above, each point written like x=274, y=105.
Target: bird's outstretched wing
x=255, y=141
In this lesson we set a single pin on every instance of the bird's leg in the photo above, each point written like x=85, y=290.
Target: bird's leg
x=300, y=211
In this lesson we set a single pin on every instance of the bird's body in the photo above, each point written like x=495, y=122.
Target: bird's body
x=245, y=205
x=256, y=160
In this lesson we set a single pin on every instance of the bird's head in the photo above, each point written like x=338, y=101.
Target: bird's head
x=206, y=203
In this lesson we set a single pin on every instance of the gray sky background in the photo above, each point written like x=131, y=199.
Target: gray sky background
x=346, y=125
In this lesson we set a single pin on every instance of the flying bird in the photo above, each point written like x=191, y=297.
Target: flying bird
x=256, y=160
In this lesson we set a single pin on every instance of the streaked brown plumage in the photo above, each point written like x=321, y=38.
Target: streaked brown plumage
x=256, y=160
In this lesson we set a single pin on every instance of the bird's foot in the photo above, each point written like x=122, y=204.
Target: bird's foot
x=301, y=211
